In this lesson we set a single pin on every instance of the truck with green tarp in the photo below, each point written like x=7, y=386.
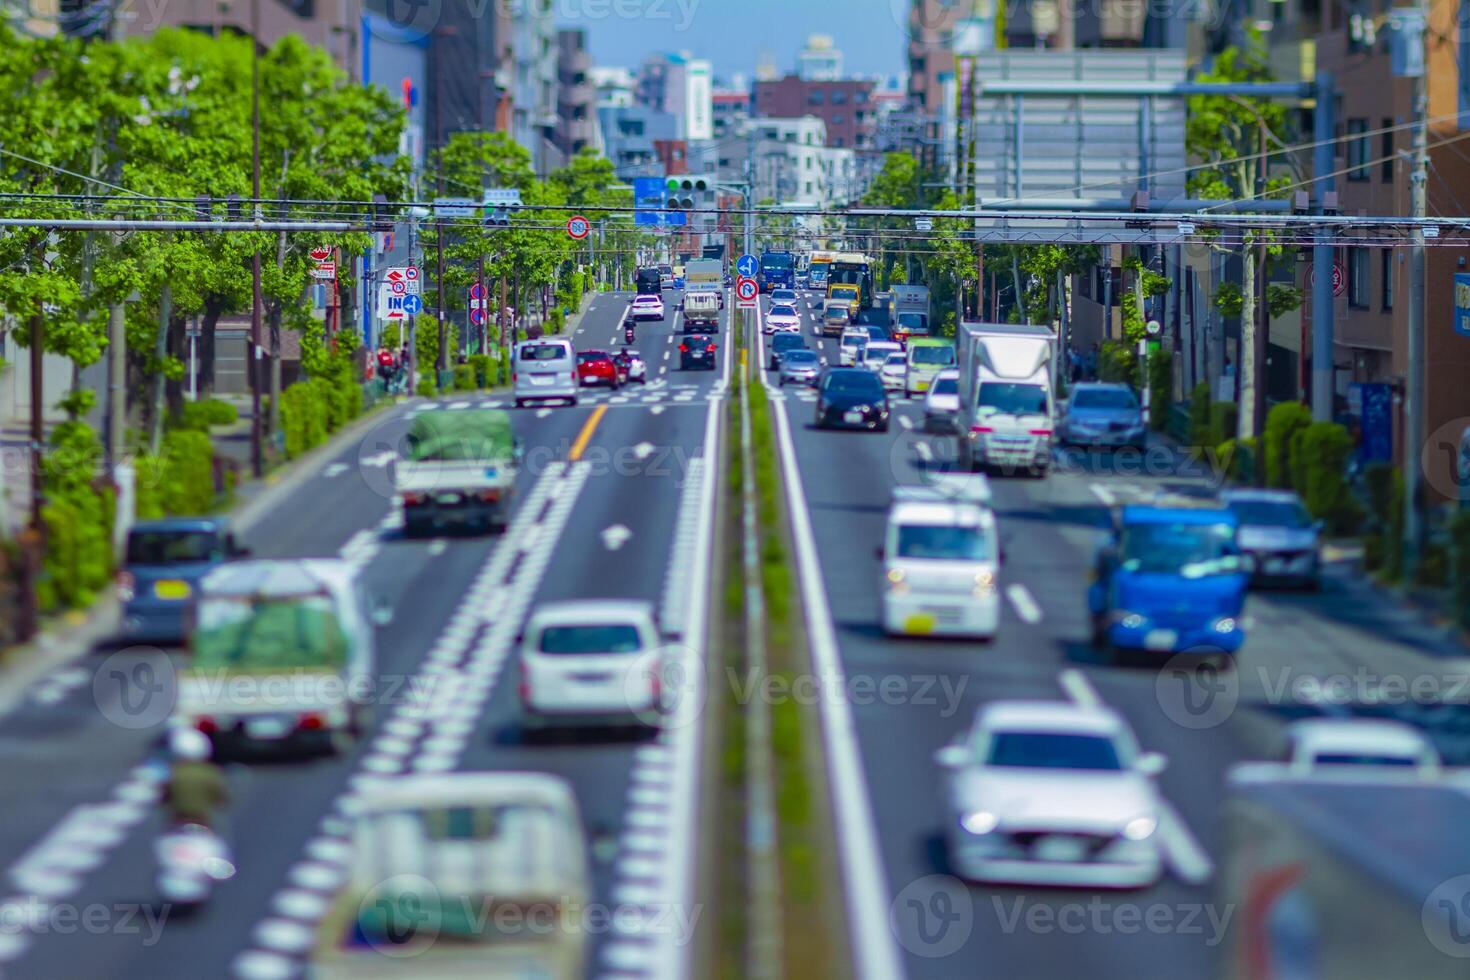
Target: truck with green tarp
x=457, y=468
x=280, y=650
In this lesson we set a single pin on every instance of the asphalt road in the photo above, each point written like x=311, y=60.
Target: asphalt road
x=621, y=521
x=1049, y=528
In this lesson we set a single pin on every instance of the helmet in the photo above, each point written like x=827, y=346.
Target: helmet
x=190, y=744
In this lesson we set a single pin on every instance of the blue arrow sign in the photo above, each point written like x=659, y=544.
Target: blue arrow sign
x=413, y=304
x=747, y=266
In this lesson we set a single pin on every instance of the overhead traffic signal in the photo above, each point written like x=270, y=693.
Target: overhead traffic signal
x=500, y=204
x=681, y=191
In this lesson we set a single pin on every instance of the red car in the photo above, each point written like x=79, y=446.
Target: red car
x=596, y=367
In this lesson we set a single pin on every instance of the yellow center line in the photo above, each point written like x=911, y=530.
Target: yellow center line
x=585, y=436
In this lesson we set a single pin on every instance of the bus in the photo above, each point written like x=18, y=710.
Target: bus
x=650, y=282
x=852, y=268
x=816, y=270
x=778, y=269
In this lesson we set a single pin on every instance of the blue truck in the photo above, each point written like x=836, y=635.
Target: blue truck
x=1169, y=579
x=778, y=271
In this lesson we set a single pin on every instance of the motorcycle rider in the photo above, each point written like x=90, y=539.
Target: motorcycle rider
x=196, y=788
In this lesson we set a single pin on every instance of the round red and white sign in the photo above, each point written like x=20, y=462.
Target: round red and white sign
x=578, y=227
x=321, y=253
x=746, y=289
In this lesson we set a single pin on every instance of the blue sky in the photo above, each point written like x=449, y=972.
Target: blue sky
x=734, y=33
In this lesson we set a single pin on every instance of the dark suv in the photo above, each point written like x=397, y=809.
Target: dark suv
x=781, y=343
x=697, y=351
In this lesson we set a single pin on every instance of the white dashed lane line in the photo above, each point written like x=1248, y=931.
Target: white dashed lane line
x=1024, y=604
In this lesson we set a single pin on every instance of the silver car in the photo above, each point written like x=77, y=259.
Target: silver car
x=799, y=367
x=1279, y=535
x=942, y=403
x=1052, y=793
x=544, y=370
x=1102, y=414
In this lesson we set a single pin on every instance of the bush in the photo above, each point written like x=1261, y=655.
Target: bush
x=1223, y=418
x=1237, y=459
x=1161, y=388
x=200, y=415
x=1282, y=423
x=1199, y=415
x=188, y=473
x=427, y=388
x=303, y=417
x=1319, y=461
x=79, y=516
x=1434, y=566
x=464, y=378
x=1116, y=362
x=1379, y=478
x=557, y=321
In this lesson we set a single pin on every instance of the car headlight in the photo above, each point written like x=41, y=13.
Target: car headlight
x=1128, y=620
x=984, y=584
x=862, y=408
x=980, y=822
x=896, y=583
x=1225, y=624
x=1140, y=828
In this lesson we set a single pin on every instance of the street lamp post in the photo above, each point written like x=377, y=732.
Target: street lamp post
x=252, y=360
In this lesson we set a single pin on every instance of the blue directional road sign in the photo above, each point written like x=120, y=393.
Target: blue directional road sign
x=413, y=304
x=747, y=266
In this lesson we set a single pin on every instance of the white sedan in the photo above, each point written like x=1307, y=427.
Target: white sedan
x=591, y=663
x=783, y=318
x=648, y=307
x=1052, y=793
x=1315, y=743
x=894, y=371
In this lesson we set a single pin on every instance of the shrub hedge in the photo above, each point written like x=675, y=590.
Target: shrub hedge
x=1318, y=459
x=78, y=514
x=1282, y=423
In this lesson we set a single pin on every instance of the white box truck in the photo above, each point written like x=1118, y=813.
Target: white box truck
x=1006, y=415
x=908, y=311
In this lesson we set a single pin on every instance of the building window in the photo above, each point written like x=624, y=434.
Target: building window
x=1388, y=254
x=839, y=97
x=814, y=97
x=1385, y=150
x=860, y=96
x=838, y=119
x=1357, y=149
x=1357, y=271
x=838, y=142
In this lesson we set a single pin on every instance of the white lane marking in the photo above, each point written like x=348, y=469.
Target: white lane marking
x=438, y=546
x=334, y=470
x=1079, y=688
x=656, y=410
x=379, y=459
x=1102, y=493
x=667, y=353
x=1182, y=850
x=905, y=421
x=1026, y=606
x=615, y=537
x=875, y=953
x=923, y=451
x=542, y=413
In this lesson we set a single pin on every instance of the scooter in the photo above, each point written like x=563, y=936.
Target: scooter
x=628, y=336
x=192, y=859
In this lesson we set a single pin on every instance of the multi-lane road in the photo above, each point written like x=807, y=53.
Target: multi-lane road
x=616, y=500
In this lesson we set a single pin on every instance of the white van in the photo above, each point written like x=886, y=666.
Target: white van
x=941, y=560
x=544, y=370
x=850, y=348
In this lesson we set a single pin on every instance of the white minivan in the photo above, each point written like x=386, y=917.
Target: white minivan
x=850, y=350
x=592, y=663
x=544, y=370
x=941, y=560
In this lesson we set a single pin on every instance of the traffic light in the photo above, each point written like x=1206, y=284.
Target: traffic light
x=382, y=217
x=500, y=204
x=682, y=191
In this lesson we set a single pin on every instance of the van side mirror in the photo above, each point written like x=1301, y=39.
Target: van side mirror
x=1152, y=763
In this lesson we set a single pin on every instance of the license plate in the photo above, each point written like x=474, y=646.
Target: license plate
x=592, y=678
x=854, y=417
x=447, y=498
x=542, y=379
x=1160, y=639
x=267, y=727
x=1058, y=848
x=171, y=588
x=920, y=623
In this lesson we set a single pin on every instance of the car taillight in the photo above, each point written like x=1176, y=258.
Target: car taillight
x=711, y=347
x=489, y=496
x=310, y=722
x=414, y=498
x=683, y=348
x=981, y=428
x=525, y=685
x=206, y=725
x=125, y=585
x=1040, y=432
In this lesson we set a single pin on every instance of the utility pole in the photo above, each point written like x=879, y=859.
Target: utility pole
x=1414, y=387
x=443, y=313
x=252, y=357
x=38, y=432
x=1323, y=130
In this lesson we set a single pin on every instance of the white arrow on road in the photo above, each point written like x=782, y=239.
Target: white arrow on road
x=335, y=470
x=643, y=450
x=615, y=537
x=379, y=459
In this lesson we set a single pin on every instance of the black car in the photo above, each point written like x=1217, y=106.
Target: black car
x=781, y=343
x=697, y=351
x=851, y=398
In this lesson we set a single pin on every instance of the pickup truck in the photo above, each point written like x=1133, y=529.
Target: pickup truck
x=459, y=468
x=460, y=875
x=701, y=311
x=282, y=652
x=1170, y=579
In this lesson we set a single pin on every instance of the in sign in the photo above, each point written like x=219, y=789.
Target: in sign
x=578, y=227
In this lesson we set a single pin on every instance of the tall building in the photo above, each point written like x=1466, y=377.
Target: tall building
x=819, y=61
x=793, y=164
x=730, y=112
x=688, y=87
x=629, y=134
x=616, y=86
x=844, y=106
x=576, y=96
x=533, y=112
